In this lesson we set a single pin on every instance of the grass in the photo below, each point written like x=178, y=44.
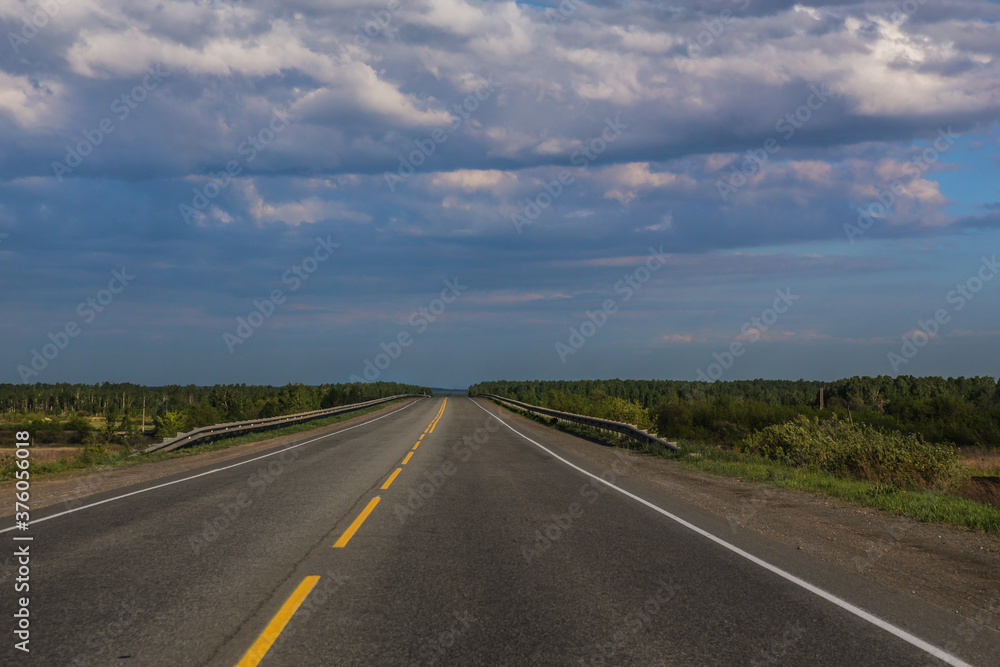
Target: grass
x=125, y=459
x=982, y=462
x=926, y=506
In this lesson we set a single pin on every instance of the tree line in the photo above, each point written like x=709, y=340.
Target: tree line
x=65, y=406
x=961, y=411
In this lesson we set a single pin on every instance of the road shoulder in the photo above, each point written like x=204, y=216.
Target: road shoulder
x=951, y=567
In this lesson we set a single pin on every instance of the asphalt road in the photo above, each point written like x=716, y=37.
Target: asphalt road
x=483, y=549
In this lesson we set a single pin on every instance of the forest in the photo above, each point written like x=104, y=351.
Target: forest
x=960, y=411
x=70, y=413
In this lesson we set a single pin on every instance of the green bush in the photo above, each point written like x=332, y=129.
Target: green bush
x=862, y=451
x=169, y=424
x=627, y=412
x=95, y=450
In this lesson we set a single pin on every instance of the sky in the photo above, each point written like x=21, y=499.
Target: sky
x=449, y=191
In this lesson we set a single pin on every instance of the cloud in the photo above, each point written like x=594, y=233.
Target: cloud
x=27, y=101
x=635, y=176
x=474, y=179
x=361, y=106
x=306, y=210
x=510, y=299
x=771, y=335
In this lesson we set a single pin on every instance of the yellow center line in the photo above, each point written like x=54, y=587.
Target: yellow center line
x=437, y=417
x=353, y=528
x=391, y=477
x=267, y=638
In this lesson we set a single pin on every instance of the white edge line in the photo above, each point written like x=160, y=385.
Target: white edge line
x=207, y=472
x=830, y=597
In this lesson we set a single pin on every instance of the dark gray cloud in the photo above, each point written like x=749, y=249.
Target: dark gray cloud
x=116, y=116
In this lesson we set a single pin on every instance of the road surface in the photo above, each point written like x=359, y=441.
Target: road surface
x=487, y=545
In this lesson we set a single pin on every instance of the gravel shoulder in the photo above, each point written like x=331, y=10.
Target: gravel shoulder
x=952, y=567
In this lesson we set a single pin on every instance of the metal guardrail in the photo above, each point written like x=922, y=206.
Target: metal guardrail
x=251, y=425
x=617, y=427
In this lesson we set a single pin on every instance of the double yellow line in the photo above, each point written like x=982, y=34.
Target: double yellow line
x=353, y=528
x=430, y=427
x=267, y=638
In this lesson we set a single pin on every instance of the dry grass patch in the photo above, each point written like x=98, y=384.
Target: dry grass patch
x=40, y=454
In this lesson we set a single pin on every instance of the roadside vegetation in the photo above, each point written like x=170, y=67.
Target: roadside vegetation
x=900, y=463
x=106, y=430
x=958, y=411
x=107, y=457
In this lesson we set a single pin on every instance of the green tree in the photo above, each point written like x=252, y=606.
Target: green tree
x=204, y=414
x=169, y=424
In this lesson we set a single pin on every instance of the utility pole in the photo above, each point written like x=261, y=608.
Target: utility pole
x=821, y=398
x=144, y=415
